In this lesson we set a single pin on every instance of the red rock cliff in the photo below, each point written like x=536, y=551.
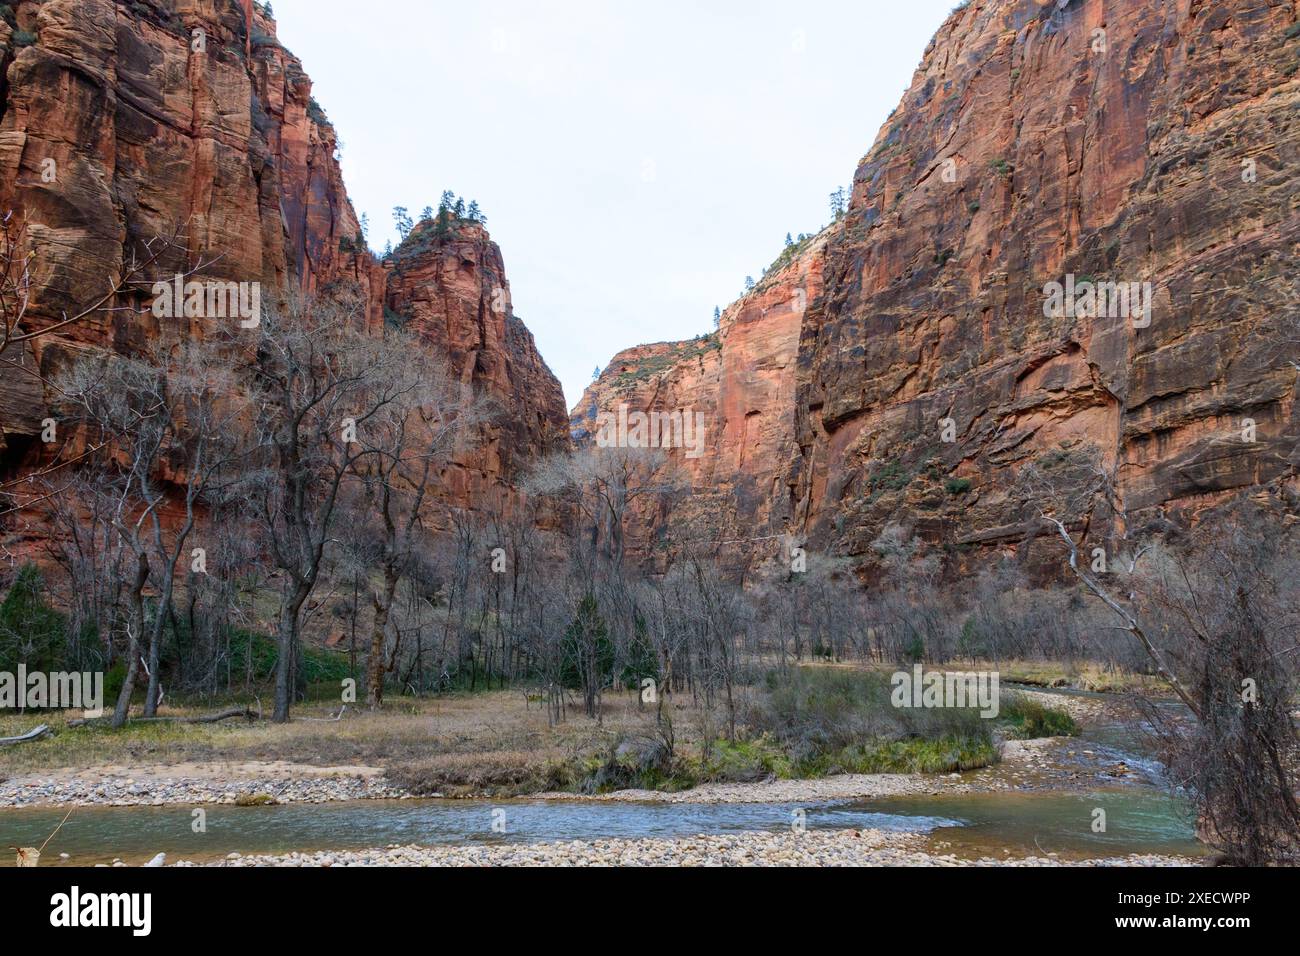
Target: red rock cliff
x=1113, y=140
x=451, y=290
x=1134, y=141
x=127, y=121
x=741, y=382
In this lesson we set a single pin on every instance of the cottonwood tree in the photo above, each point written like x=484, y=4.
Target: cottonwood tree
x=316, y=383
x=409, y=437
x=1230, y=616
x=124, y=401
x=604, y=488
x=181, y=419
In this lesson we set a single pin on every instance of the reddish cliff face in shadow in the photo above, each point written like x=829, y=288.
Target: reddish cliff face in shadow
x=1130, y=141
x=126, y=122
x=731, y=499
x=449, y=288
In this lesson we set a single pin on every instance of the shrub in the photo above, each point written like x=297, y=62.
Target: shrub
x=1030, y=719
x=842, y=721
x=24, y=38
x=958, y=486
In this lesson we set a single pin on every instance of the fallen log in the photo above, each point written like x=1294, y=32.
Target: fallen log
x=36, y=734
x=245, y=712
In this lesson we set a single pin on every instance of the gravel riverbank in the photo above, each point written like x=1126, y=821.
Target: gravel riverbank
x=251, y=784
x=813, y=848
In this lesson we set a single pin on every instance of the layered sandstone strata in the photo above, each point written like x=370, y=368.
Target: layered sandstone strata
x=1109, y=140
x=124, y=123
x=729, y=495
x=1093, y=141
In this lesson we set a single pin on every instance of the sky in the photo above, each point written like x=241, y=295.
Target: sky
x=635, y=161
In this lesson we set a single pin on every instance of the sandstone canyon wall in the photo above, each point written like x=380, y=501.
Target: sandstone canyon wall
x=734, y=501
x=150, y=133
x=1150, y=141
x=1147, y=141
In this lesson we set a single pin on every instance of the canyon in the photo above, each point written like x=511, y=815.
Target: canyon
x=897, y=369
x=926, y=386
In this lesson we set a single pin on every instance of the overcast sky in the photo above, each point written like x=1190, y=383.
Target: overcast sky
x=635, y=161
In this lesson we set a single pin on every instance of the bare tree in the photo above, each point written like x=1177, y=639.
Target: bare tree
x=124, y=402
x=317, y=383
x=409, y=438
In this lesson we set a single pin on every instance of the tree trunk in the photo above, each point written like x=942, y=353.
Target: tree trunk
x=155, y=640
x=133, y=631
x=375, y=666
x=287, y=641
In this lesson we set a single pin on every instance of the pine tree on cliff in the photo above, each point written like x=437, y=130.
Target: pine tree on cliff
x=475, y=214
x=403, y=220
x=839, y=203
x=717, y=317
x=426, y=215
x=442, y=226
x=789, y=240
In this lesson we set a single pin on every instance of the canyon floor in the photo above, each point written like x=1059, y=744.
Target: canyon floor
x=491, y=750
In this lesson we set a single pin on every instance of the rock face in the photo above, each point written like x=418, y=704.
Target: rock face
x=451, y=291
x=1126, y=141
x=933, y=384
x=740, y=382
x=187, y=118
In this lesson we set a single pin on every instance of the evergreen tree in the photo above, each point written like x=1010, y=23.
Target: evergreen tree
x=427, y=214
x=717, y=317
x=789, y=240
x=403, y=220
x=839, y=203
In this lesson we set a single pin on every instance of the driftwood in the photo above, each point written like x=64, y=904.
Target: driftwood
x=246, y=712
x=36, y=734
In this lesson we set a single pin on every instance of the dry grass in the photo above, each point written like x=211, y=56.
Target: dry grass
x=496, y=742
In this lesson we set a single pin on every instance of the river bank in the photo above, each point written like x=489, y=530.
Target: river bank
x=843, y=848
x=1031, y=764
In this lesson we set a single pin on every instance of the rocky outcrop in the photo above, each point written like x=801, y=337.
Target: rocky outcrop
x=935, y=385
x=448, y=287
x=124, y=123
x=730, y=500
